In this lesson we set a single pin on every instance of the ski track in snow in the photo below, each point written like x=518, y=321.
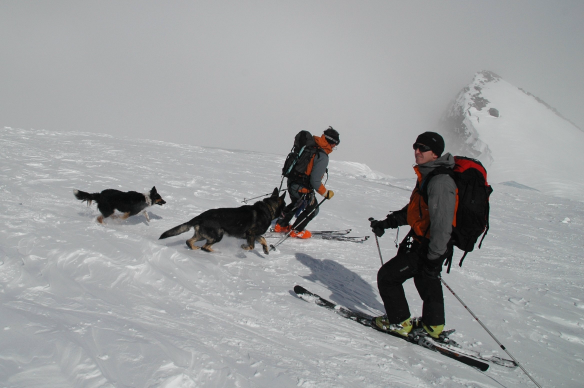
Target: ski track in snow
x=89, y=305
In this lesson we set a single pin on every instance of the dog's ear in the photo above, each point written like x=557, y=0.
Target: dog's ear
x=275, y=193
x=283, y=197
x=153, y=189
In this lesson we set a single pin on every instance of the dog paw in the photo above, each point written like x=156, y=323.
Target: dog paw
x=192, y=246
x=246, y=247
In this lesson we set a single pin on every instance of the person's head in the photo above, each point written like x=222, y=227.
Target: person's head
x=428, y=147
x=332, y=137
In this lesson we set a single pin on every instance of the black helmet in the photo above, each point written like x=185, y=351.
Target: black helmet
x=332, y=136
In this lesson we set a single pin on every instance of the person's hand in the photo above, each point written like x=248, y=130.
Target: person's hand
x=431, y=268
x=329, y=194
x=377, y=227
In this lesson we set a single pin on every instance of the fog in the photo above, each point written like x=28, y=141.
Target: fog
x=250, y=74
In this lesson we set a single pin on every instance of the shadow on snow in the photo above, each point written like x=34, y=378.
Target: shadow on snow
x=348, y=288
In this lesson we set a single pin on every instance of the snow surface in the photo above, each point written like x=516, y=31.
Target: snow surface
x=89, y=305
x=529, y=143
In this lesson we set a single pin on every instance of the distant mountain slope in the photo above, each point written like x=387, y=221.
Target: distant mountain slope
x=516, y=135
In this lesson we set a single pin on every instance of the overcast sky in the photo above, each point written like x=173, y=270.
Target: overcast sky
x=250, y=74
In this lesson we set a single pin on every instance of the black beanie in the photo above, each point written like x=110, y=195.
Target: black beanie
x=332, y=136
x=432, y=140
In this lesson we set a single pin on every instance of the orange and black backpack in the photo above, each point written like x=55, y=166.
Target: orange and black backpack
x=472, y=213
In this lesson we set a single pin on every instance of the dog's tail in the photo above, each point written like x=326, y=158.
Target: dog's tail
x=176, y=230
x=83, y=196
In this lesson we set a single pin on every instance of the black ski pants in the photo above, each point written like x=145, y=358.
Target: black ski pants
x=290, y=210
x=390, y=279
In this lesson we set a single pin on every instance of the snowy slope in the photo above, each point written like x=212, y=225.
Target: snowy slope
x=88, y=305
x=518, y=136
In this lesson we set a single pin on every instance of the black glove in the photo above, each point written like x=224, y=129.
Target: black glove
x=378, y=227
x=431, y=268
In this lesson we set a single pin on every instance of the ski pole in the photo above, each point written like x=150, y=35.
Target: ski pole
x=273, y=246
x=259, y=196
x=488, y=331
x=377, y=241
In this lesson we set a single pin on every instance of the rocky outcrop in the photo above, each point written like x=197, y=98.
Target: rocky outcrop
x=494, y=112
x=459, y=133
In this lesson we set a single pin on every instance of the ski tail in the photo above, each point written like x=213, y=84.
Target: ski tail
x=176, y=230
x=86, y=197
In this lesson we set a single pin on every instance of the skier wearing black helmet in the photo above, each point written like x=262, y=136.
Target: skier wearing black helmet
x=424, y=250
x=302, y=197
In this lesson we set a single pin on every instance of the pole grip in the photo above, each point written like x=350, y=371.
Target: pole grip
x=377, y=241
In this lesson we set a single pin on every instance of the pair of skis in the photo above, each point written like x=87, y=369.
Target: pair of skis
x=337, y=235
x=443, y=345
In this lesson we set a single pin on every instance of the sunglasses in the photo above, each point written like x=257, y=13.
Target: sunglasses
x=421, y=147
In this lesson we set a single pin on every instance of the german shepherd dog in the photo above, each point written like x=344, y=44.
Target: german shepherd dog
x=130, y=203
x=248, y=221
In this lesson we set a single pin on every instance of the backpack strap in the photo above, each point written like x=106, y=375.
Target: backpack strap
x=461, y=260
x=448, y=259
x=489, y=192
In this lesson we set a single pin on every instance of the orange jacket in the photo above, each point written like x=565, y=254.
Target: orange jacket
x=418, y=212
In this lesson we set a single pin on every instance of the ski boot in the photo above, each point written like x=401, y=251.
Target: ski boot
x=433, y=331
x=402, y=329
x=282, y=229
x=302, y=234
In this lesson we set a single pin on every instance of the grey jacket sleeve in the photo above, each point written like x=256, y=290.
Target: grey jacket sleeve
x=441, y=203
x=319, y=167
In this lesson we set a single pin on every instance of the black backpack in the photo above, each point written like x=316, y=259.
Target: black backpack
x=472, y=212
x=299, y=157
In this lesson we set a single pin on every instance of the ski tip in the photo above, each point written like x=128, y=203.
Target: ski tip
x=299, y=289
